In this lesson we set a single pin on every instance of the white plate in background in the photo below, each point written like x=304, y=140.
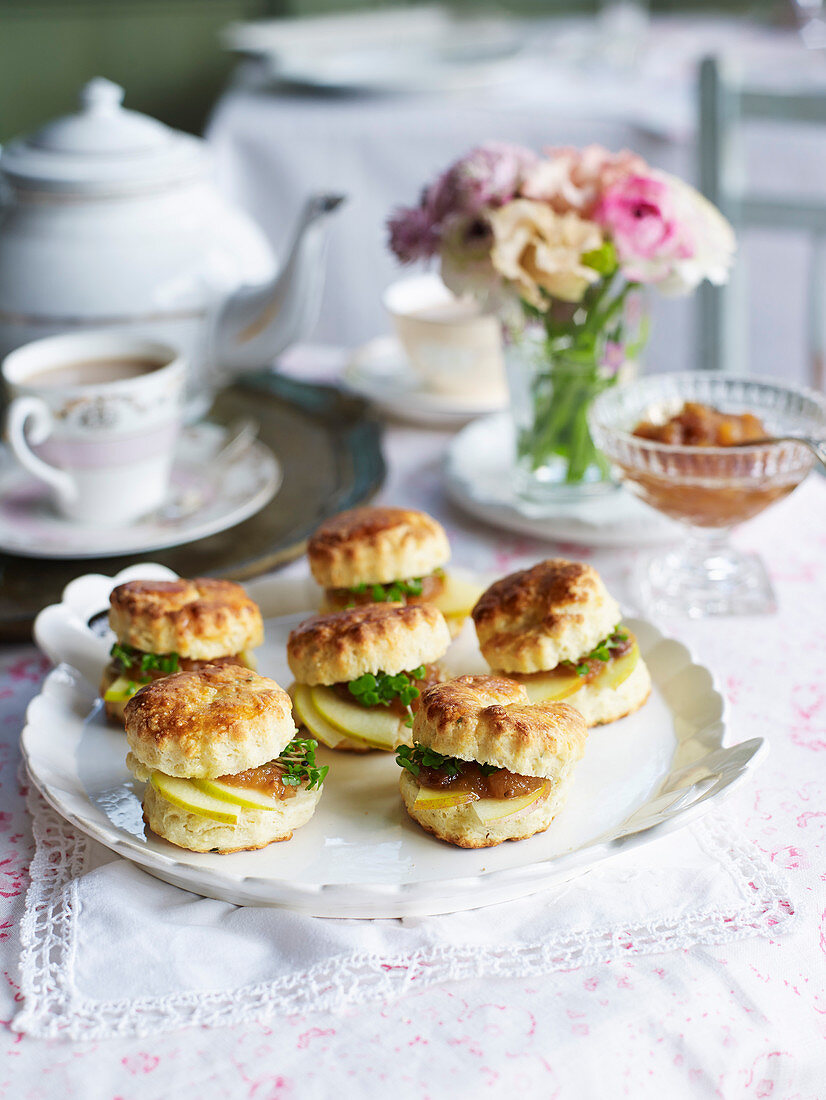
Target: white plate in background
x=478, y=473
x=361, y=855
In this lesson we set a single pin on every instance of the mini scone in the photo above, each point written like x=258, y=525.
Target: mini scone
x=360, y=672
x=392, y=555
x=555, y=629
x=171, y=626
x=219, y=753
x=487, y=765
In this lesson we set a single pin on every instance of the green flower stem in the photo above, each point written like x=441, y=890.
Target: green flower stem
x=571, y=375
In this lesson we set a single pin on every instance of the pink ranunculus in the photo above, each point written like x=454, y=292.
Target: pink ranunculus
x=576, y=179
x=487, y=176
x=642, y=217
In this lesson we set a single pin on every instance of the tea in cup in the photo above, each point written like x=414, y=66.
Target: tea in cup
x=454, y=347
x=96, y=417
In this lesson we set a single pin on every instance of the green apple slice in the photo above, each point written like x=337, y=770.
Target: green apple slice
x=494, y=809
x=618, y=670
x=248, y=659
x=183, y=793
x=378, y=726
x=429, y=798
x=457, y=597
x=246, y=797
x=120, y=690
x=307, y=714
x=549, y=687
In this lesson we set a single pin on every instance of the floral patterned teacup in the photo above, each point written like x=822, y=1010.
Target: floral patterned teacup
x=96, y=417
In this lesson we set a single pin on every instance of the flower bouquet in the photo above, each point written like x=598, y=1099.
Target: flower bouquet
x=558, y=245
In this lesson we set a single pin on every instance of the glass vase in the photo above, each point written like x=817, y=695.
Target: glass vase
x=555, y=369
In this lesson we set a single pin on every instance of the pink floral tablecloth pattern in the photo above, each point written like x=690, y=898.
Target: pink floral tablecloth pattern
x=743, y=1020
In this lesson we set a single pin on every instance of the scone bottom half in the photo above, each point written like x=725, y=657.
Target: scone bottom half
x=184, y=733
x=487, y=765
x=556, y=630
x=163, y=627
x=388, y=555
x=360, y=673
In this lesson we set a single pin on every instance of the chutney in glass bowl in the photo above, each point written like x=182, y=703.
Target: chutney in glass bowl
x=709, y=488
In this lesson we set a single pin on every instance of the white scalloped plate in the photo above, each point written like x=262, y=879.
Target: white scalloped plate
x=361, y=856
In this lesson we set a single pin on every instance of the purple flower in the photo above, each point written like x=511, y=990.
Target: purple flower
x=485, y=178
x=413, y=235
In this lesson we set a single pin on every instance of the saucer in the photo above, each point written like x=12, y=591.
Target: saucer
x=208, y=494
x=380, y=372
x=479, y=478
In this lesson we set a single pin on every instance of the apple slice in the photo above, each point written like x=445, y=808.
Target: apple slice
x=616, y=672
x=181, y=792
x=307, y=714
x=248, y=798
x=248, y=659
x=120, y=690
x=378, y=726
x=548, y=687
x=429, y=798
x=494, y=809
x=457, y=597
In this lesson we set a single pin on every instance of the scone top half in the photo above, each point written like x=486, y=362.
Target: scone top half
x=486, y=764
x=167, y=626
x=490, y=720
x=206, y=723
x=557, y=629
x=376, y=546
x=224, y=768
x=360, y=672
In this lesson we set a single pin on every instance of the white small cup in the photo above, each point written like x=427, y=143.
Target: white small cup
x=104, y=447
x=450, y=343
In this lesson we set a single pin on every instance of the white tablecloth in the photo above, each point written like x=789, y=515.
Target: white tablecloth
x=274, y=147
x=745, y=1019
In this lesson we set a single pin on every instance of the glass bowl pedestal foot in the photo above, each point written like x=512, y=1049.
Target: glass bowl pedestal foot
x=703, y=577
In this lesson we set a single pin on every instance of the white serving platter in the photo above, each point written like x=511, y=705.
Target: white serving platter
x=361, y=855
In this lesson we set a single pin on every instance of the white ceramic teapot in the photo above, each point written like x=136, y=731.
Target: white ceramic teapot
x=110, y=220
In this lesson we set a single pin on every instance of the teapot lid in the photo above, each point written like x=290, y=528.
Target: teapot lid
x=102, y=147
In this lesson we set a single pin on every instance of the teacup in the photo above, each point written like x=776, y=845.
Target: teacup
x=96, y=417
x=449, y=341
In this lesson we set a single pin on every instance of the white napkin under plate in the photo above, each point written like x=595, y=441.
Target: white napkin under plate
x=108, y=951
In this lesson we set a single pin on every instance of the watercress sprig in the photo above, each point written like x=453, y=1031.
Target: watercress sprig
x=420, y=756
x=299, y=764
x=127, y=656
x=394, y=592
x=601, y=652
x=380, y=689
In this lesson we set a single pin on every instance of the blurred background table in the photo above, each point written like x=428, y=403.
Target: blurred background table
x=274, y=144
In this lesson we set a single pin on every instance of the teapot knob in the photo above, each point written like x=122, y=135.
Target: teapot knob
x=101, y=96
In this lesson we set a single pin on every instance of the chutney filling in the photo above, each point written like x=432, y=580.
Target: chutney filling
x=697, y=425
x=438, y=772
x=293, y=770
x=411, y=590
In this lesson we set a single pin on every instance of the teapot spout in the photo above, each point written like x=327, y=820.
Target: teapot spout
x=257, y=323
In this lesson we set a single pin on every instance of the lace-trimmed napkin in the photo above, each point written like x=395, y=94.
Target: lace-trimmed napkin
x=110, y=951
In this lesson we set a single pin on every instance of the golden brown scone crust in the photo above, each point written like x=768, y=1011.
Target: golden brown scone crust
x=112, y=672
x=254, y=829
x=212, y=722
x=531, y=620
x=458, y=824
x=201, y=618
x=379, y=637
x=491, y=719
x=376, y=546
